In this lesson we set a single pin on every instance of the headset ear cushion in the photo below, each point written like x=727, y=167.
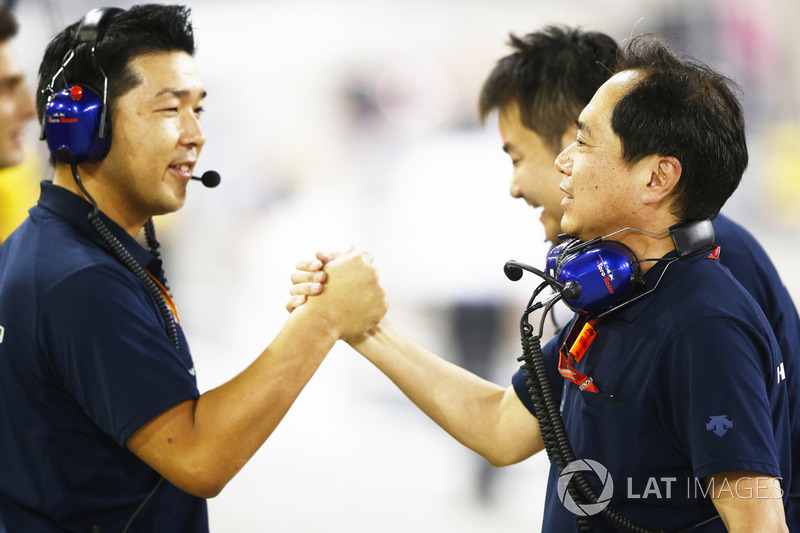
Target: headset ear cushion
x=558, y=253
x=72, y=125
x=604, y=271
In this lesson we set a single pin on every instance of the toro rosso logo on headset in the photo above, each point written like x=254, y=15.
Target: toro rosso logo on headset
x=59, y=118
x=606, y=274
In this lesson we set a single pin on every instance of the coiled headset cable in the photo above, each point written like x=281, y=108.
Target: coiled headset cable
x=551, y=425
x=122, y=255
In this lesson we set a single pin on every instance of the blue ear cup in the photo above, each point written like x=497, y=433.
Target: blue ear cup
x=605, y=271
x=73, y=126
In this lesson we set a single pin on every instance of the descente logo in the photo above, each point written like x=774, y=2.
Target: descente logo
x=2, y=333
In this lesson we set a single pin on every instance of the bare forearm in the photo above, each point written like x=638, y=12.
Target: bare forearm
x=748, y=501
x=244, y=412
x=212, y=438
x=479, y=414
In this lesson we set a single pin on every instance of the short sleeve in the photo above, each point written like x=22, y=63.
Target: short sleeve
x=105, y=341
x=725, y=403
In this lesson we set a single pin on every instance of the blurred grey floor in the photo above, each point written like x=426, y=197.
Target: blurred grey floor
x=353, y=455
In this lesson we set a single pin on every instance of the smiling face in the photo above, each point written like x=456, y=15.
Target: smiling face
x=534, y=177
x=603, y=193
x=156, y=138
x=16, y=106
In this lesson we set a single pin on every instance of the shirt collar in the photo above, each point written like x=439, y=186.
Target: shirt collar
x=75, y=210
x=660, y=275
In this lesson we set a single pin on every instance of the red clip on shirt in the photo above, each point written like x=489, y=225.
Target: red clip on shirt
x=579, y=345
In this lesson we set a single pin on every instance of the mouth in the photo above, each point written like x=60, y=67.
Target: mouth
x=17, y=138
x=183, y=170
x=568, y=198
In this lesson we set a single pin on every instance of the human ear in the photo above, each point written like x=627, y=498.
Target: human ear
x=663, y=179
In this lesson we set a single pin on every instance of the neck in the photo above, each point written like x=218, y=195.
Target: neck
x=647, y=246
x=107, y=199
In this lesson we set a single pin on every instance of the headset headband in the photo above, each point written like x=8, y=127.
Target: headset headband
x=689, y=237
x=692, y=237
x=94, y=24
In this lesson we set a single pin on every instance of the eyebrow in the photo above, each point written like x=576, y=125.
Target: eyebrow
x=508, y=147
x=178, y=93
x=11, y=80
x=583, y=128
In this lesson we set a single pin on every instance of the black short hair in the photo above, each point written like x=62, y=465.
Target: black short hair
x=684, y=109
x=143, y=29
x=552, y=75
x=8, y=24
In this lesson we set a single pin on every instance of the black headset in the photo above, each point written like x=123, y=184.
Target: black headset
x=76, y=123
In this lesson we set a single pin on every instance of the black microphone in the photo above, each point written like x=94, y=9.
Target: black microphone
x=514, y=273
x=210, y=178
x=570, y=290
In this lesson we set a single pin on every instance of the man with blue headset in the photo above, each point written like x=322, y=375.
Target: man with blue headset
x=660, y=369
x=102, y=427
x=539, y=91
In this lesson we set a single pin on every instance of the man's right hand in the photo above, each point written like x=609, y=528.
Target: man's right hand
x=346, y=293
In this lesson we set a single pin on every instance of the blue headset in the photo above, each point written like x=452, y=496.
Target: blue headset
x=597, y=277
x=607, y=272
x=75, y=122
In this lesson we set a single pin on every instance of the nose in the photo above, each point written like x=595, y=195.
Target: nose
x=515, y=190
x=25, y=102
x=563, y=162
x=192, y=133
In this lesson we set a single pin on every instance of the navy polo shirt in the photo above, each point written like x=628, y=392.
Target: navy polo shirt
x=691, y=383
x=85, y=361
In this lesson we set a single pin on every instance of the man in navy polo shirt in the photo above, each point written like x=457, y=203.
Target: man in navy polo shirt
x=687, y=409
x=539, y=91
x=102, y=427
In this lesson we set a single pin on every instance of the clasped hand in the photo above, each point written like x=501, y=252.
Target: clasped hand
x=342, y=288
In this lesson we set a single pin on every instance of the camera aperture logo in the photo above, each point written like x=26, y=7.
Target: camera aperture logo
x=585, y=509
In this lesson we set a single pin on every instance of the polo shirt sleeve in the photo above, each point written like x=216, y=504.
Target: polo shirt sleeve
x=107, y=346
x=723, y=396
x=550, y=353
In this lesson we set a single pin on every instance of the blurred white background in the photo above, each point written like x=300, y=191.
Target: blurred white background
x=354, y=122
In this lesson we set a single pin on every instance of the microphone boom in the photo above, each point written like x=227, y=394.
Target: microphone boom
x=209, y=179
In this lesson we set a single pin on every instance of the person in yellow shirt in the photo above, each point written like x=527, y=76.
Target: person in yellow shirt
x=17, y=184
x=19, y=188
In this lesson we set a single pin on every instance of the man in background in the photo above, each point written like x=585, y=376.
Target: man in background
x=17, y=187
